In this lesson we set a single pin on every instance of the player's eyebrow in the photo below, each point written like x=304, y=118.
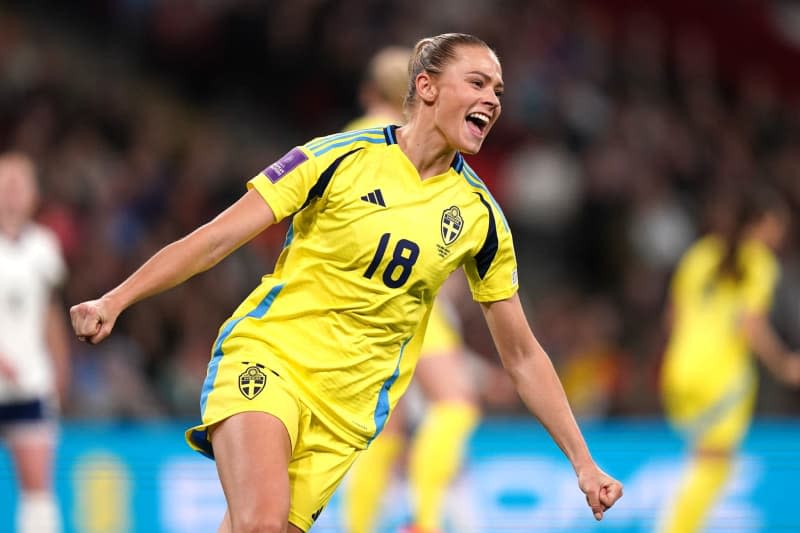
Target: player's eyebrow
x=499, y=86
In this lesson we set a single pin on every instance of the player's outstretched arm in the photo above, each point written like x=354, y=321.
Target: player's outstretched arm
x=175, y=263
x=538, y=385
x=771, y=350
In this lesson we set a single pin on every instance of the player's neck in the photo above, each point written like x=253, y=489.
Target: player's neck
x=426, y=148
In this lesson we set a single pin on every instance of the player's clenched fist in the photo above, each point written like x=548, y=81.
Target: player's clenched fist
x=92, y=320
x=601, y=490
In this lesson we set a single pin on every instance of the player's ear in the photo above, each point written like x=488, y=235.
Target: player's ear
x=426, y=87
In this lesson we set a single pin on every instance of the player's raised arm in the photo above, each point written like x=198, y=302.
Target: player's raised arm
x=174, y=264
x=538, y=385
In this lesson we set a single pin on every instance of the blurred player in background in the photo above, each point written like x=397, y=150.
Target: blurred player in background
x=304, y=374
x=33, y=344
x=720, y=300
x=453, y=412
x=383, y=89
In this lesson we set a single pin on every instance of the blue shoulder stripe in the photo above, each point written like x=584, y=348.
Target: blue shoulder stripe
x=314, y=144
x=371, y=140
x=475, y=181
x=458, y=162
x=320, y=143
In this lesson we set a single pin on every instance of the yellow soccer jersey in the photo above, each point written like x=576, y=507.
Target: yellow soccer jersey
x=368, y=248
x=708, y=352
x=440, y=334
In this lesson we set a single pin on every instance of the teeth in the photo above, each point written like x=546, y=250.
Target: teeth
x=480, y=116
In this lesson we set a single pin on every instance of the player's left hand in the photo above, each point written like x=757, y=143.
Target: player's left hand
x=601, y=490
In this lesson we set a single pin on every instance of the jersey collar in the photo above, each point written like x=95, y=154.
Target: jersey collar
x=391, y=138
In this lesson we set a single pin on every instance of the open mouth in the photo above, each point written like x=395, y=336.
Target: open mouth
x=478, y=123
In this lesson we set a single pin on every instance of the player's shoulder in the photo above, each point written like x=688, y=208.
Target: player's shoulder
x=706, y=249
x=40, y=236
x=475, y=186
x=368, y=122
x=42, y=249
x=339, y=144
x=757, y=257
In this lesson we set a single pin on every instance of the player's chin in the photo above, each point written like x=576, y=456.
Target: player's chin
x=471, y=142
x=470, y=146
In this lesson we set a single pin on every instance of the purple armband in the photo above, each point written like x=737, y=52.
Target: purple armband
x=284, y=165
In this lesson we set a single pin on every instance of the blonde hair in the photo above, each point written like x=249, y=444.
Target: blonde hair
x=432, y=54
x=388, y=72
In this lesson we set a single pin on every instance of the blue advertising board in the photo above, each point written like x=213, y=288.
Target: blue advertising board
x=143, y=478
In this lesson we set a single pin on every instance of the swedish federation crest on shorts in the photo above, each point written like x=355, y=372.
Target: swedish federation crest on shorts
x=252, y=381
x=451, y=224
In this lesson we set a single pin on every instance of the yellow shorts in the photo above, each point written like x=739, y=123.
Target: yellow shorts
x=320, y=458
x=717, y=421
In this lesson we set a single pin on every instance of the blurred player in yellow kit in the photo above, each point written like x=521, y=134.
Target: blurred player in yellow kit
x=720, y=299
x=436, y=452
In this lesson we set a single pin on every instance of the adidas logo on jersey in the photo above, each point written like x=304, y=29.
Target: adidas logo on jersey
x=375, y=197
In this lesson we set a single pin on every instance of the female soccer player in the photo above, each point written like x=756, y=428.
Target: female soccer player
x=720, y=300
x=33, y=344
x=436, y=451
x=305, y=372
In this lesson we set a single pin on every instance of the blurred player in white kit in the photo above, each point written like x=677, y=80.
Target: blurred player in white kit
x=33, y=344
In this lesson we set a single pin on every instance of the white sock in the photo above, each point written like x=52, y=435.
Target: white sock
x=38, y=512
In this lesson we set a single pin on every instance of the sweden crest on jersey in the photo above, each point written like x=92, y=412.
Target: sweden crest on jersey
x=252, y=381
x=452, y=223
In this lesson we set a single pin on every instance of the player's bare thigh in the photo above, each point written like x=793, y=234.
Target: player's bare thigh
x=252, y=451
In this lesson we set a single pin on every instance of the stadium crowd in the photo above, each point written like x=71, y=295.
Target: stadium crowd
x=619, y=139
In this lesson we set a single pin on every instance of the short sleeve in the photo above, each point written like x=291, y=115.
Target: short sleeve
x=286, y=184
x=492, y=269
